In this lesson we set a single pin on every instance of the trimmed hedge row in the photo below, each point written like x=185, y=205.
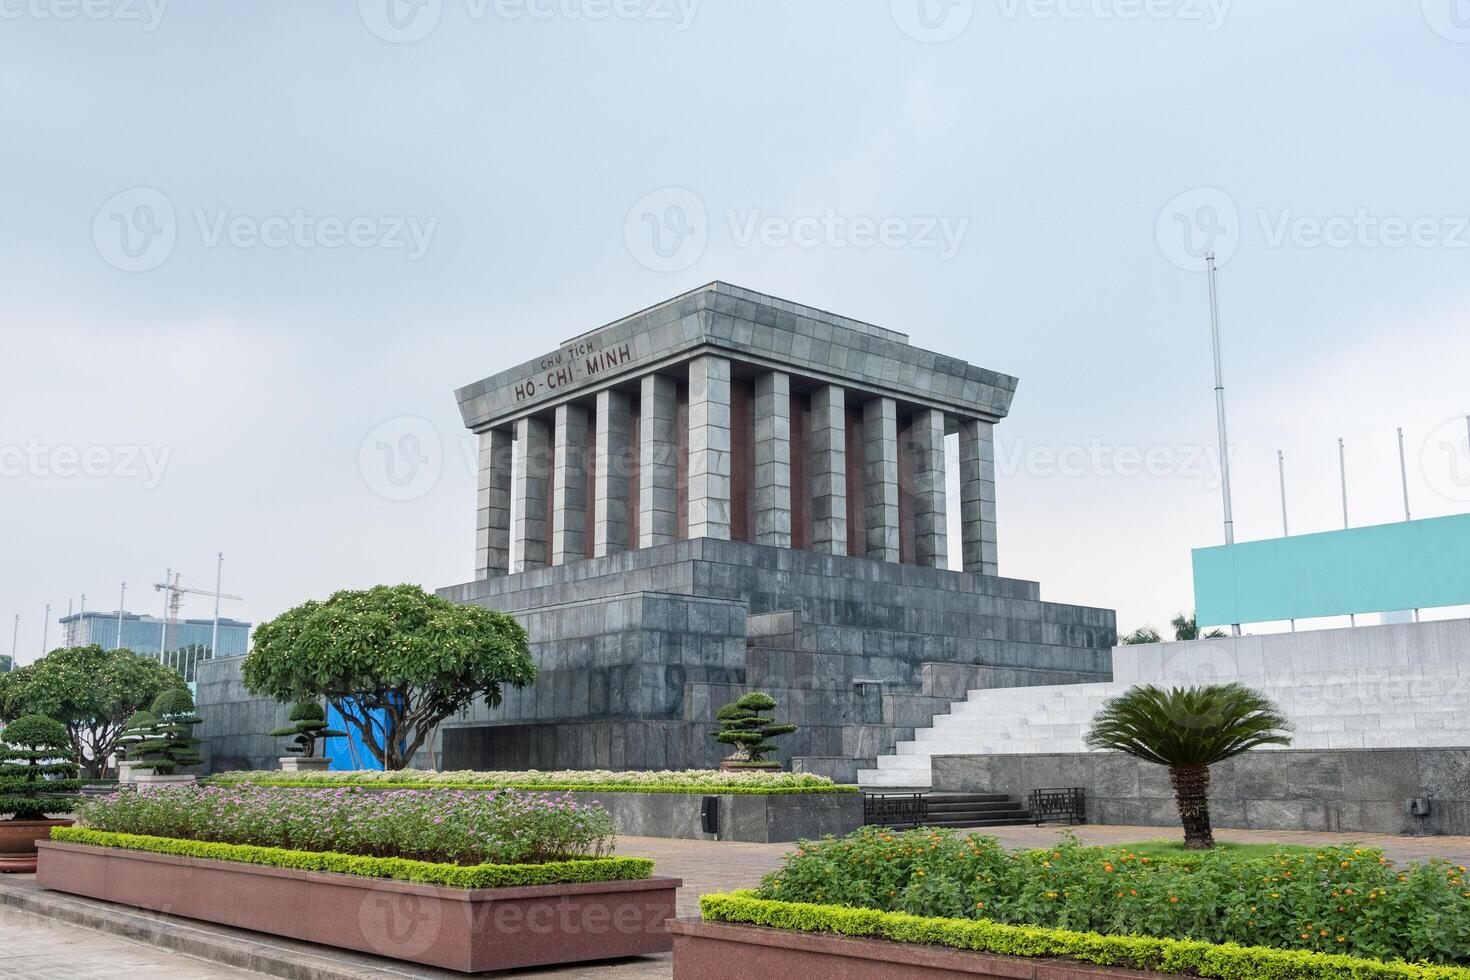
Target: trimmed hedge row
x=398, y=869
x=605, y=788
x=1172, y=956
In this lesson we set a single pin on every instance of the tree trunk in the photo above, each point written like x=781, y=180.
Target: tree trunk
x=1192, y=793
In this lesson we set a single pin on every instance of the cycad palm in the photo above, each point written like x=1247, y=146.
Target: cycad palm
x=1189, y=730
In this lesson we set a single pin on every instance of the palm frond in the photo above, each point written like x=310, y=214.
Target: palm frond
x=1195, y=726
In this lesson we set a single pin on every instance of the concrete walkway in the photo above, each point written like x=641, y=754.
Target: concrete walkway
x=50, y=936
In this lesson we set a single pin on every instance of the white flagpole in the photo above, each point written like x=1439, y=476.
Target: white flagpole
x=219, y=571
x=14, y=641
x=1220, y=409
x=1285, y=528
x=168, y=577
x=1342, y=468
x=1404, y=479
x=121, y=602
x=45, y=629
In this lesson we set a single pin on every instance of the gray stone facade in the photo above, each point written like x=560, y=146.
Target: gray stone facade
x=638, y=650
x=234, y=721
x=1348, y=790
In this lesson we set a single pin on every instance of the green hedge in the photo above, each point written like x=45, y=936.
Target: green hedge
x=603, y=788
x=1170, y=956
x=399, y=869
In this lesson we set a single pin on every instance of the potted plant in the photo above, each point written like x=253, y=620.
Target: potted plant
x=37, y=778
x=749, y=732
x=167, y=744
x=308, y=723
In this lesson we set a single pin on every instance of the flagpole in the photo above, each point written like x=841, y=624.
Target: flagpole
x=1342, y=469
x=1220, y=409
x=1404, y=479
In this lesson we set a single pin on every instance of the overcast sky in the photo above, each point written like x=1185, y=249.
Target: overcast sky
x=244, y=244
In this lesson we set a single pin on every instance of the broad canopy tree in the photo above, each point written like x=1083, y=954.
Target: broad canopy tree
x=91, y=691
x=394, y=661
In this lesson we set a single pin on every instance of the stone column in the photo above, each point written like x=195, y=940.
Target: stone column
x=709, y=447
x=658, y=469
x=492, y=504
x=569, y=488
x=610, y=490
x=829, y=470
x=931, y=532
x=880, y=491
x=773, y=459
x=533, y=472
x=977, y=497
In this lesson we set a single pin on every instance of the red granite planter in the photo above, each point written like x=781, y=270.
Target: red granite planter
x=718, y=951
x=473, y=930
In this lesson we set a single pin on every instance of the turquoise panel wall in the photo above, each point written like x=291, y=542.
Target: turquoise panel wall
x=1408, y=565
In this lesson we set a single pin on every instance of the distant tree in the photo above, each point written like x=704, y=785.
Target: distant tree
x=91, y=691
x=167, y=744
x=1144, y=634
x=1189, y=730
x=36, y=777
x=1185, y=628
x=394, y=661
x=750, y=732
x=308, y=723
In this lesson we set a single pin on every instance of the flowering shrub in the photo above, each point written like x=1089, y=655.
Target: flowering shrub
x=1337, y=899
x=443, y=826
x=595, y=780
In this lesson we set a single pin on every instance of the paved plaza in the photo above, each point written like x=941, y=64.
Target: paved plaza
x=77, y=938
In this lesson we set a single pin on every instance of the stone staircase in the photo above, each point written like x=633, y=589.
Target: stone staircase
x=975, y=810
x=1342, y=689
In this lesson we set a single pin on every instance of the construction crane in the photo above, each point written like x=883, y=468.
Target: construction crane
x=174, y=598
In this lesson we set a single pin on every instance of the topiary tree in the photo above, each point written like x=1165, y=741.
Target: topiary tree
x=91, y=691
x=1189, y=730
x=394, y=661
x=35, y=751
x=138, y=727
x=308, y=723
x=167, y=744
x=747, y=729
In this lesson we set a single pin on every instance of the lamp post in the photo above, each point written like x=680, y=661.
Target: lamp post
x=1220, y=409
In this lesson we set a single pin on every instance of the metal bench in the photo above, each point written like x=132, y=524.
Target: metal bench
x=1069, y=804
x=895, y=809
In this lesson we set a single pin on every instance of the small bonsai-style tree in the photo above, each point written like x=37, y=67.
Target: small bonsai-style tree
x=748, y=730
x=1189, y=730
x=167, y=743
x=37, y=776
x=308, y=723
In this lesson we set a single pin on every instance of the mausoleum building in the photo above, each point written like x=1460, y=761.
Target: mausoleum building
x=729, y=491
